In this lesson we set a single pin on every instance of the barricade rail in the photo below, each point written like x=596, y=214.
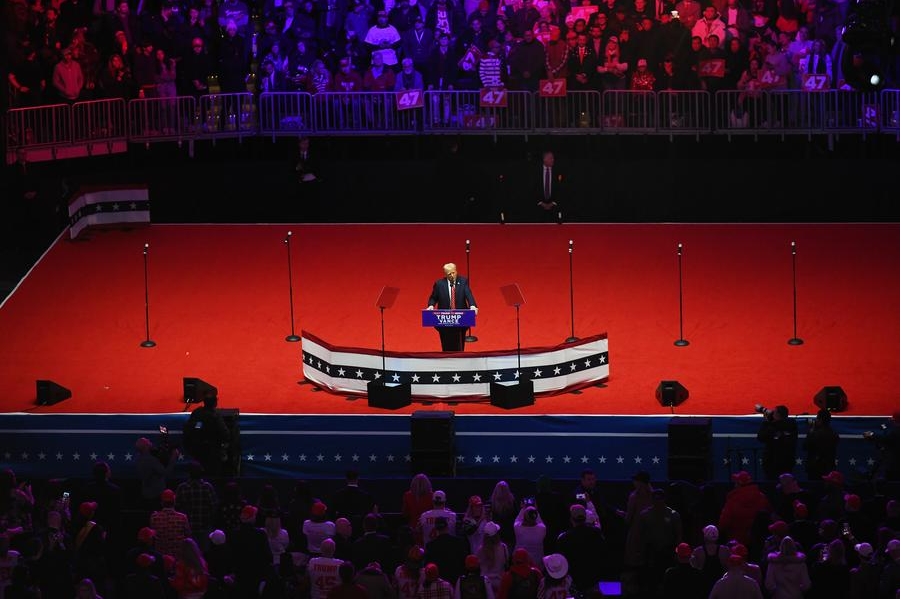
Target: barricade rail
x=491, y=112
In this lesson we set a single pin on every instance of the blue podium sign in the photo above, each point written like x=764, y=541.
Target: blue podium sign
x=448, y=318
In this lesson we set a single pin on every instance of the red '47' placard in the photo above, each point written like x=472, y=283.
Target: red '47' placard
x=493, y=97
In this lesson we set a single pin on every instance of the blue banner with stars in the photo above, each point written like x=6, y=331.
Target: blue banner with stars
x=324, y=446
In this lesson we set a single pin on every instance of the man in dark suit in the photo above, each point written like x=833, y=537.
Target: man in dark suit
x=548, y=189
x=452, y=293
x=373, y=547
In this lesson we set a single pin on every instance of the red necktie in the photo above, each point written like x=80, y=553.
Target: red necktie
x=453, y=296
x=547, y=183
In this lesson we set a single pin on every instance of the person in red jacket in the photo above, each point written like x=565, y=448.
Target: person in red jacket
x=741, y=507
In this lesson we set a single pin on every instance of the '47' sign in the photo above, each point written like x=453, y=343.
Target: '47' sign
x=552, y=88
x=492, y=97
x=411, y=98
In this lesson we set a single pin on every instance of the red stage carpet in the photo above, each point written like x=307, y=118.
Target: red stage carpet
x=219, y=310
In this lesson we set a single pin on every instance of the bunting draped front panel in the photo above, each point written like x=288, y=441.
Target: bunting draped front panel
x=461, y=376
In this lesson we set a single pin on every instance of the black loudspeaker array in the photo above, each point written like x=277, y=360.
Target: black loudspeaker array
x=432, y=449
x=689, y=449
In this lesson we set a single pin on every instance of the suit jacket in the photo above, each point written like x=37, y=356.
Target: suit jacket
x=441, y=295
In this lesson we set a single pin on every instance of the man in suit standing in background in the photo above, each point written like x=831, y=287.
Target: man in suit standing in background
x=549, y=190
x=451, y=293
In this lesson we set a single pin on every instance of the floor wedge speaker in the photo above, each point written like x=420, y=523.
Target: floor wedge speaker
x=388, y=396
x=49, y=393
x=510, y=396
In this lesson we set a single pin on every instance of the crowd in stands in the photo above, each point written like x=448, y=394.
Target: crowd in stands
x=214, y=538
x=72, y=50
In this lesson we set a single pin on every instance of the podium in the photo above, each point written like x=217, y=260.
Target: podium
x=449, y=318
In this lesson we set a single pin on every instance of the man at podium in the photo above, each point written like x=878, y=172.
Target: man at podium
x=452, y=293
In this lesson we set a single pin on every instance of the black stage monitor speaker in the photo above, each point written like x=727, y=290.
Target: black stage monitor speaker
x=510, y=396
x=194, y=389
x=689, y=446
x=388, y=396
x=432, y=448
x=832, y=399
x=671, y=393
x=49, y=393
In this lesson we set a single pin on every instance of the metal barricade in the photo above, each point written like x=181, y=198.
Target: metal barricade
x=160, y=119
x=226, y=115
x=39, y=126
x=286, y=113
x=629, y=111
x=469, y=112
x=852, y=111
x=684, y=112
x=578, y=110
x=888, y=110
x=361, y=113
x=99, y=120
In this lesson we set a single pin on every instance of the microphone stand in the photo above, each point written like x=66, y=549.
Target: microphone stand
x=147, y=342
x=681, y=341
x=795, y=340
x=572, y=317
x=470, y=338
x=292, y=337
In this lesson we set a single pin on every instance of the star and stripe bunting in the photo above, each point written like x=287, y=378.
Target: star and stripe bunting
x=108, y=206
x=348, y=370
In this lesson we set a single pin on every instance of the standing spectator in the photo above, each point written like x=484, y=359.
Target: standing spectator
x=347, y=587
x=90, y=546
x=493, y=556
x=584, y=548
x=191, y=578
x=277, y=536
x=417, y=44
x=417, y=499
x=426, y=523
x=446, y=550
x=352, y=501
x=53, y=568
x=434, y=586
x=197, y=499
x=171, y=526
x=863, y=580
x=527, y=63
x=143, y=582
x=27, y=79
x=472, y=584
x=735, y=584
x=205, y=432
x=681, y=579
x=556, y=583
x=9, y=559
x=530, y=531
x=154, y=469
x=710, y=557
x=779, y=435
x=786, y=572
x=504, y=510
x=821, y=445
x=660, y=528
x=317, y=528
x=410, y=575
x=116, y=80
x=108, y=497
x=383, y=38
x=408, y=78
x=373, y=546
x=741, y=507
x=323, y=571
x=522, y=580
x=68, y=79
x=233, y=62
x=252, y=556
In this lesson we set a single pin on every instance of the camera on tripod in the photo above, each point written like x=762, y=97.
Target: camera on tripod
x=768, y=413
